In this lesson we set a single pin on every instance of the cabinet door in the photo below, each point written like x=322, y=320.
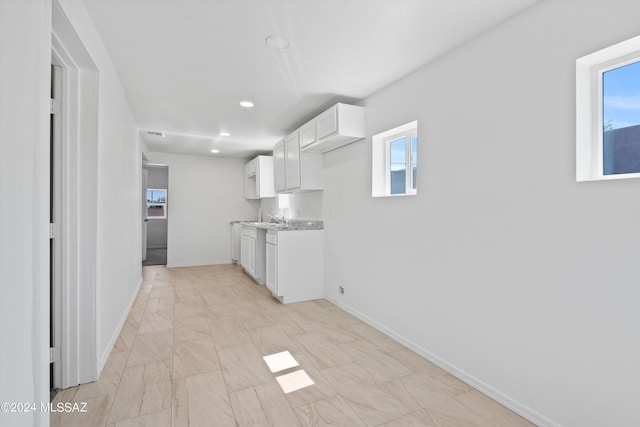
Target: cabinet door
x=308, y=134
x=248, y=254
x=292, y=160
x=257, y=178
x=264, y=177
x=252, y=256
x=279, y=166
x=327, y=122
x=272, y=268
x=251, y=253
x=250, y=167
x=244, y=257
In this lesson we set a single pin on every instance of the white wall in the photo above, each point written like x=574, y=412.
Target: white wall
x=502, y=268
x=25, y=52
x=307, y=205
x=206, y=194
x=119, y=163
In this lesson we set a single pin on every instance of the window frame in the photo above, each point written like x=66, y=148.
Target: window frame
x=589, y=107
x=408, y=134
x=380, y=160
x=163, y=204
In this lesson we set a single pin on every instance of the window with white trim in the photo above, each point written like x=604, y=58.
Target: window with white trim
x=395, y=161
x=157, y=203
x=608, y=113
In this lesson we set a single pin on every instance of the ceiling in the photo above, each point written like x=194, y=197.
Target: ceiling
x=185, y=65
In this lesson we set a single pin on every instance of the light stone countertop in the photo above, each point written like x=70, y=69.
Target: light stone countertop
x=289, y=225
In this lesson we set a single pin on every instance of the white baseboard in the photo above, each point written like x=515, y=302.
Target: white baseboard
x=112, y=342
x=199, y=263
x=517, y=407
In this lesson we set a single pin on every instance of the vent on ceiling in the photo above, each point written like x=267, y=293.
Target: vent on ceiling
x=160, y=134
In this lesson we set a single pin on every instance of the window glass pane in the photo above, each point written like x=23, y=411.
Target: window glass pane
x=621, y=119
x=414, y=161
x=398, y=165
x=156, y=203
x=156, y=196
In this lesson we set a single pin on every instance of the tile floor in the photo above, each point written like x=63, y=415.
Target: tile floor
x=156, y=256
x=190, y=354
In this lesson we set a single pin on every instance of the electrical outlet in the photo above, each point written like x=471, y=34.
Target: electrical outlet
x=341, y=290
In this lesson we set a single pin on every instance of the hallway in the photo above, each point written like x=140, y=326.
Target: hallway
x=190, y=354
x=157, y=256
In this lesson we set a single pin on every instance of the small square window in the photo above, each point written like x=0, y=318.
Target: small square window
x=608, y=113
x=621, y=120
x=395, y=161
x=156, y=203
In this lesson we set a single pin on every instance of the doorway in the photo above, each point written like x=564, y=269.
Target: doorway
x=157, y=214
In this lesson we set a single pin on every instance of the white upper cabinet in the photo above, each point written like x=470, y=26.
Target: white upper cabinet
x=259, y=179
x=279, y=166
x=336, y=127
x=307, y=133
x=250, y=167
x=292, y=156
x=295, y=171
x=298, y=158
x=327, y=122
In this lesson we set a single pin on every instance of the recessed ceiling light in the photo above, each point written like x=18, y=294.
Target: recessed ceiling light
x=276, y=41
x=225, y=134
x=246, y=104
x=215, y=151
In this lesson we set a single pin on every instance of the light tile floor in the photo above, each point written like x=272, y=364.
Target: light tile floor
x=191, y=354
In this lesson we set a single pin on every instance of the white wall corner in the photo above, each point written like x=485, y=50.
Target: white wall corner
x=102, y=360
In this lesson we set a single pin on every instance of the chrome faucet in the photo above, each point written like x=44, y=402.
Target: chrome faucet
x=280, y=219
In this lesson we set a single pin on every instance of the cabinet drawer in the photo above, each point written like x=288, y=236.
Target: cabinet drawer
x=272, y=237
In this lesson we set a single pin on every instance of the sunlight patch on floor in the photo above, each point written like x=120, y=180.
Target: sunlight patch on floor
x=280, y=361
x=294, y=381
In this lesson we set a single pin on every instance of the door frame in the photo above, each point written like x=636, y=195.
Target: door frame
x=56, y=214
x=145, y=220
x=79, y=150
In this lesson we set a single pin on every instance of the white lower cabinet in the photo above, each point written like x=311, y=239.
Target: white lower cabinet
x=252, y=245
x=236, y=238
x=248, y=245
x=272, y=262
x=295, y=264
